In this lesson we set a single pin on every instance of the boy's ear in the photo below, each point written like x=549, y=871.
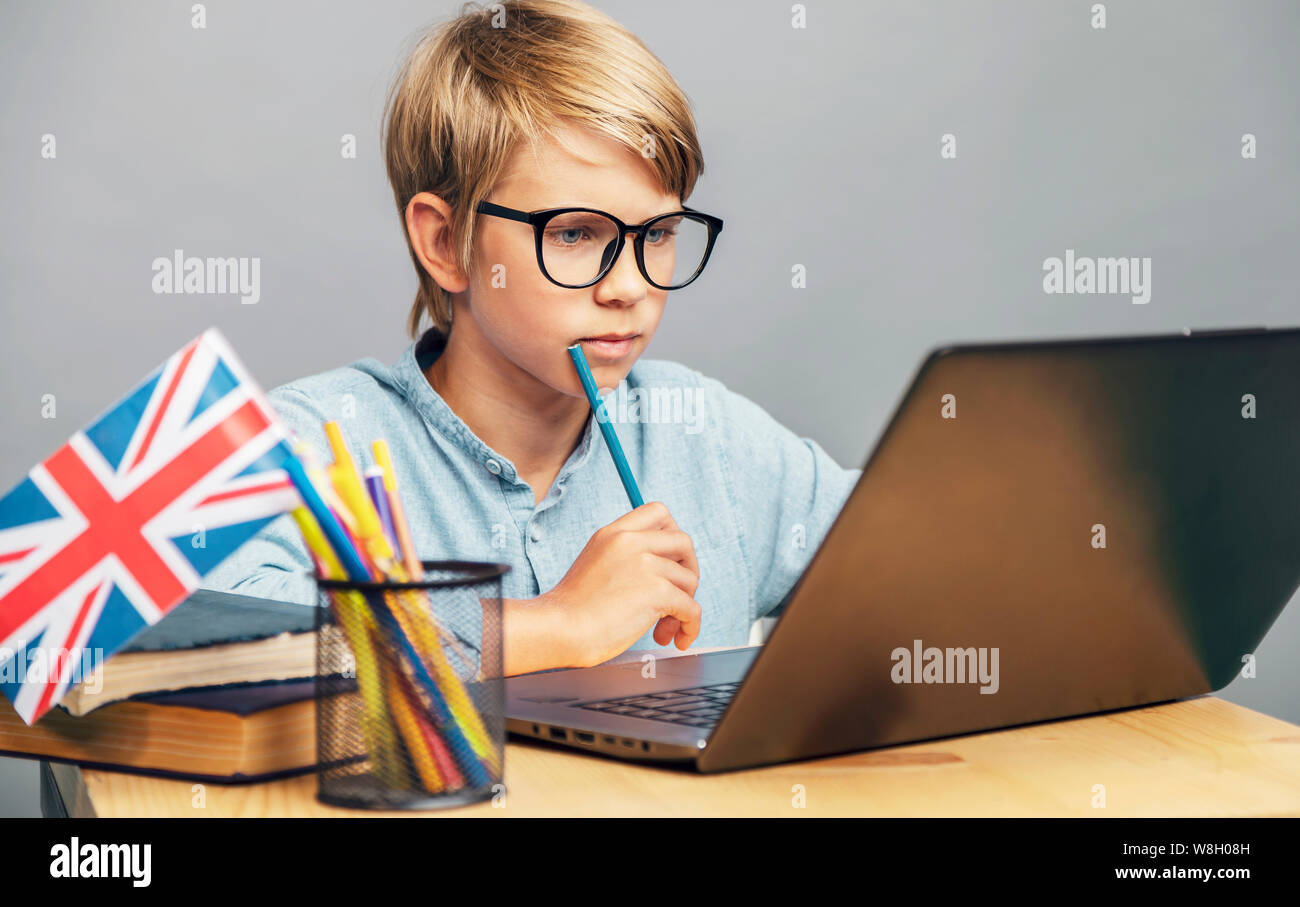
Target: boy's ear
x=428, y=224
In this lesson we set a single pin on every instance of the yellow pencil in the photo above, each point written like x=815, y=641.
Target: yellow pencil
x=409, y=726
x=409, y=557
x=370, y=533
x=404, y=540
x=357, y=624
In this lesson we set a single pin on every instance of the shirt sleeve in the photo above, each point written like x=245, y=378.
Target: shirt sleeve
x=786, y=491
x=275, y=563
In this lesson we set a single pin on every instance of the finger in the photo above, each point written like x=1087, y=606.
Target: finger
x=687, y=612
x=666, y=630
x=672, y=544
x=676, y=574
x=690, y=547
x=683, y=641
x=690, y=561
x=650, y=515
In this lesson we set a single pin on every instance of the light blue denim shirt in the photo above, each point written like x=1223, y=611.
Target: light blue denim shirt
x=755, y=499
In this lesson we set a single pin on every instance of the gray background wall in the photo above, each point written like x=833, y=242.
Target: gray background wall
x=822, y=148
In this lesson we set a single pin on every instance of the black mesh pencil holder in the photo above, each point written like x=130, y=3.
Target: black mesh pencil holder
x=410, y=702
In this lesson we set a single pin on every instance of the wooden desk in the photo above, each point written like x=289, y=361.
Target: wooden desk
x=1197, y=757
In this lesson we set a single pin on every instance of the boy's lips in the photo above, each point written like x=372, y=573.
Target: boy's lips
x=608, y=346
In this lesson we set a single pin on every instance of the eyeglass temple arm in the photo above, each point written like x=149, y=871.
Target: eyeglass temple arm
x=717, y=221
x=512, y=214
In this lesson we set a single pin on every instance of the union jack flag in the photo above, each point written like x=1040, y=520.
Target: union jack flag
x=120, y=524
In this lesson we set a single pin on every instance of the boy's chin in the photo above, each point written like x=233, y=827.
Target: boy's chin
x=608, y=374
x=608, y=377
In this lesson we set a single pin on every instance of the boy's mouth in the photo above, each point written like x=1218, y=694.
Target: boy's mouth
x=608, y=346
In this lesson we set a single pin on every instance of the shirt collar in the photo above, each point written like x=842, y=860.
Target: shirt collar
x=409, y=373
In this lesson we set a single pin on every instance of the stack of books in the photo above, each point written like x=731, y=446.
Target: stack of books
x=221, y=689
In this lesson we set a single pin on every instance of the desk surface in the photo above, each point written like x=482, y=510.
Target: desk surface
x=1196, y=757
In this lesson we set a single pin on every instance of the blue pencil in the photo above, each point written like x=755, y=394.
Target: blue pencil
x=606, y=428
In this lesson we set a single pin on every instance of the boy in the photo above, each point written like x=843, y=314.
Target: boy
x=529, y=107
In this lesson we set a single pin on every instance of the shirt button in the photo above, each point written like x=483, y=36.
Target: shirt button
x=535, y=534
x=493, y=467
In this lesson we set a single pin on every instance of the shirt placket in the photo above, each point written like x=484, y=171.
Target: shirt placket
x=537, y=523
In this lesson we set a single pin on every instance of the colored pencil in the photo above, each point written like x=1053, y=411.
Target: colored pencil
x=606, y=427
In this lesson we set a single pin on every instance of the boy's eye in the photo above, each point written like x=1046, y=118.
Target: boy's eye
x=569, y=236
x=659, y=235
x=663, y=231
x=581, y=228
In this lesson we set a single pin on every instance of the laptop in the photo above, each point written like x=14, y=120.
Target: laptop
x=1044, y=529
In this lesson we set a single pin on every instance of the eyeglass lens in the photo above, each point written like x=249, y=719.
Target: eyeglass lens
x=578, y=245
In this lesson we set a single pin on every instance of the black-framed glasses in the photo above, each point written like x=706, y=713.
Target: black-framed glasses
x=577, y=247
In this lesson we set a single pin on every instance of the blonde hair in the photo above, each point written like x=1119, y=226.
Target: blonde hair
x=504, y=76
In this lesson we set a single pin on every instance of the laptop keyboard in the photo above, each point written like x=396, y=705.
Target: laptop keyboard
x=696, y=707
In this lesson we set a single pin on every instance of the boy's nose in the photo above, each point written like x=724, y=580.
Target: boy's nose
x=620, y=271
x=609, y=249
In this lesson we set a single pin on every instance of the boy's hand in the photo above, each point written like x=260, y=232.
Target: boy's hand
x=638, y=570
